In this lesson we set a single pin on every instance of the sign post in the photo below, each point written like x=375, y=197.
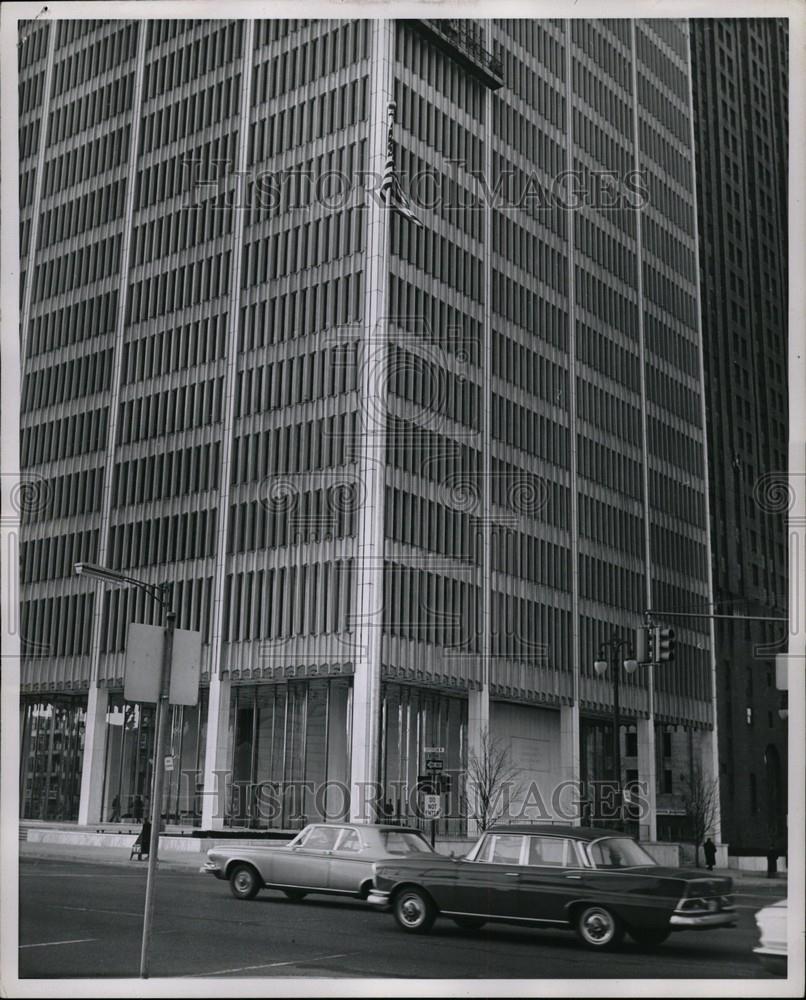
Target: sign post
x=432, y=803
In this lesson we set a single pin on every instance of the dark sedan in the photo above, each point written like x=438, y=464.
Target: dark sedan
x=599, y=883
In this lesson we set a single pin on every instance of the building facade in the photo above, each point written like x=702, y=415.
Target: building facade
x=741, y=118
x=405, y=475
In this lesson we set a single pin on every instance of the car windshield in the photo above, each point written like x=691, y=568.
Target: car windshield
x=618, y=852
x=404, y=842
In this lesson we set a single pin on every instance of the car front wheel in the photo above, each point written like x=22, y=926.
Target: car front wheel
x=414, y=911
x=599, y=928
x=244, y=882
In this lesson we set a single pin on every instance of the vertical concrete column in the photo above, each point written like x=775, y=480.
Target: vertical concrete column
x=217, y=753
x=92, y=767
x=217, y=749
x=569, y=759
x=372, y=376
x=647, y=774
x=705, y=758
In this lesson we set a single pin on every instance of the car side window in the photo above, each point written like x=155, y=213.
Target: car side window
x=350, y=841
x=548, y=851
x=322, y=838
x=501, y=849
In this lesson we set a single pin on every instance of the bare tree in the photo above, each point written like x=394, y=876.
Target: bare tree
x=490, y=774
x=700, y=801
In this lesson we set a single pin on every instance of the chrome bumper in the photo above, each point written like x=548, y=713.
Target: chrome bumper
x=684, y=921
x=212, y=868
x=377, y=897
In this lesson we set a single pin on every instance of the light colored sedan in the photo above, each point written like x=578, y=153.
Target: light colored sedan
x=334, y=858
x=772, y=930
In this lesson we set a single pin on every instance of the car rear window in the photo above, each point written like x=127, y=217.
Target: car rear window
x=618, y=852
x=404, y=842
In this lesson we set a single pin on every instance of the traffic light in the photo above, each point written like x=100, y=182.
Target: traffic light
x=645, y=645
x=664, y=645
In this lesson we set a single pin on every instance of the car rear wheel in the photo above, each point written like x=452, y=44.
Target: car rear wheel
x=599, y=928
x=470, y=923
x=295, y=894
x=648, y=937
x=414, y=911
x=244, y=882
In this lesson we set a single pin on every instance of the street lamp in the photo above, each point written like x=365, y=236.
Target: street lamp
x=614, y=645
x=160, y=592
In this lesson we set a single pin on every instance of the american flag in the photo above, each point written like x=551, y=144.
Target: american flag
x=391, y=191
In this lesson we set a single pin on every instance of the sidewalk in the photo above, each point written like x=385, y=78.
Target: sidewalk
x=192, y=861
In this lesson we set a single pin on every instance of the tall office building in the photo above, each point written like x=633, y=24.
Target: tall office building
x=406, y=470
x=741, y=129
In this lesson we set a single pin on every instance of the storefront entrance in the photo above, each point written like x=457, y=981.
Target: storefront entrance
x=51, y=754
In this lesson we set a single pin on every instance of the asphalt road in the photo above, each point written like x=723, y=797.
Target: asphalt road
x=85, y=920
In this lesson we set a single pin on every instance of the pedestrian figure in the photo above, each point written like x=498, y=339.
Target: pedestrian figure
x=137, y=809
x=709, y=849
x=115, y=814
x=142, y=845
x=772, y=862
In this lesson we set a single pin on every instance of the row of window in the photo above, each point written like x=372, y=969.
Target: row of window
x=526, y=137
x=668, y=247
x=191, y=599
x=517, y=491
x=529, y=309
x=70, y=271
x=674, y=446
x=98, y=207
x=439, y=191
x=186, y=228
x=296, y=517
x=66, y=496
x=606, y=582
x=679, y=499
x=170, y=539
x=216, y=47
x=195, y=405
x=88, y=159
x=669, y=296
x=301, y=379
x=432, y=388
x=173, y=176
x=67, y=437
x=665, y=153
x=83, y=320
x=306, y=62
x=302, y=246
x=314, y=599
x=671, y=394
x=657, y=62
x=178, y=287
x=610, y=525
x=529, y=370
x=438, y=129
x=324, y=305
x=524, y=82
x=593, y=38
x=610, y=154
x=56, y=626
x=301, y=447
x=54, y=557
x=185, y=346
x=535, y=36
x=529, y=558
x=677, y=551
x=91, y=109
x=83, y=376
x=176, y=472
x=534, y=433
x=605, y=355
x=447, y=76
x=604, y=303
x=187, y=115
x=429, y=607
x=423, y=524
x=423, y=452
x=528, y=630
x=608, y=413
x=664, y=341
x=29, y=139
x=31, y=91
x=607, y=467
x=428, y=318
x=605, y=250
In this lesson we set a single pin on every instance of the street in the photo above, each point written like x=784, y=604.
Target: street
x=83, y=920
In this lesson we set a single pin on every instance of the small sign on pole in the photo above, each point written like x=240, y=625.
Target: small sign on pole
x=434, y=765
x=432, y=808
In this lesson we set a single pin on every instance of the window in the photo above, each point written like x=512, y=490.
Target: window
x=400, y=842
x=501, y=849
x=322, y=838
x=549, y=851
x=350, y=841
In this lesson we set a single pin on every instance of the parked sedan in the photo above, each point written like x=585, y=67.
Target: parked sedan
x=324, y=857
x=596, y=882
x=772, y=930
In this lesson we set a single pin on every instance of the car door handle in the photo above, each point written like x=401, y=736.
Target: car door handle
x=573, y=876
x=512, y=874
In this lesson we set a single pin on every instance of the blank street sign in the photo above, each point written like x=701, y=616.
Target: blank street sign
x=143, y=668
